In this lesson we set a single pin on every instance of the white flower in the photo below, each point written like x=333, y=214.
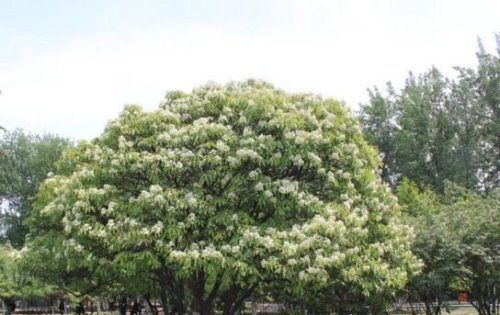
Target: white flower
x=86, y=228
x=247, y=154
x=247, y=132
x=99, y=233
x=111, y=224
x=268, y=193
x=191, y=199
x=316, y=160
x=164, y=136
x=159, y=199
x=297, y=160
x=253, y=174
x=233, y=162
x=289, y=135
x=222, y=118
x=157, y=228
x=286, y=186
x=78, y=248
x=187, y=154
x=259, y=186
x=122, y=142
x=176, y=255
x=302, y=275
x=313, y=270
x=221, y=146
x=155, y=189
x=267, y=241
x=210, y=252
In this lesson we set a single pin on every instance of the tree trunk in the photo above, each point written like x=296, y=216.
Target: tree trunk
x=123, y=305
x=200, y=304
x=233, y=300
x=164, y=300
x=152, y=307
x=428, y=307
x=10, y=306
x=173, y=288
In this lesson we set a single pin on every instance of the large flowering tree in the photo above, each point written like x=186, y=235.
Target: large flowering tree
x=222, y=190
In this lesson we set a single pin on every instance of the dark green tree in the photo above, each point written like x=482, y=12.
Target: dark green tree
x=476, y=98
x=422, y=140
x=437, y=129
x=457, y=240
x=24, y=163
x=423, y=211
x=380, y=128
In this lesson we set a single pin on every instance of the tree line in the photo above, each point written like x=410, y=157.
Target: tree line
x=439, y=142
x=242, y=192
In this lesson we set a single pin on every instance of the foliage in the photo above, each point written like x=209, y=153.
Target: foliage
x=24, y=163
x=473, y=222
x=437, y=129
x=8, y=287
x=457, y=239
x=431, y=245
x=14, y=284
x=222, y=190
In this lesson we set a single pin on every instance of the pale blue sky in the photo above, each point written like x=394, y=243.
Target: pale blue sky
x=69, y=66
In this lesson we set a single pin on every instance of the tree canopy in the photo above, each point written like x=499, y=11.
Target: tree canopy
x=25, y=161
x=437, y=129
x=457, y=239
x=222, y=190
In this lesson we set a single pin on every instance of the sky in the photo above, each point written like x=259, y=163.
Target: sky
x=67, y=67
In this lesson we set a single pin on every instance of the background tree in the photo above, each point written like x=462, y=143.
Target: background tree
x=225, y=189
x=457, y=240
x=16, y=285
x=9, y=291
x=424, y=210
x=478, y=102
x=437, y=129
x=24, y=163
x=471, y=219
x=379, y=120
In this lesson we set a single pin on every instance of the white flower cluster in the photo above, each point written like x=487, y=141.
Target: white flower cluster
x=193, y=254
x=286, y=186
x=297, y=160
x=157, y=228
x=191, y=199
x=248, y=154
x=301, y=137
x=253, y=236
